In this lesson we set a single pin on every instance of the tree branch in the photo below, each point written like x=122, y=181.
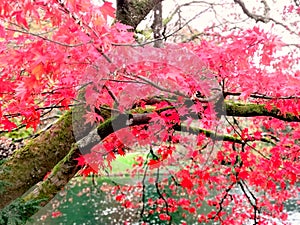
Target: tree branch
x=252, y=110
x=257, y=18
x=265, y=18
x=22, y=174
x=261, y=96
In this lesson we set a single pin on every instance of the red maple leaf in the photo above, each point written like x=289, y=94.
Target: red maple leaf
x=81, y=160
x=107, y=10
x=187, y=183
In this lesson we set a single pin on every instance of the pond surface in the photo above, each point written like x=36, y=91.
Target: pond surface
x=85, y=204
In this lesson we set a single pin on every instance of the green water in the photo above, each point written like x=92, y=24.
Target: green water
x=83, y=203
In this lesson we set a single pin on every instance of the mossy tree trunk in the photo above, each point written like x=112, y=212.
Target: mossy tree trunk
x=30, y=164
x=54, y=150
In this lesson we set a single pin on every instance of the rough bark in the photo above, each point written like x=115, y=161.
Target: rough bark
x=59, y=177
x=132, y=12
x=30, y=164
x=157, y=25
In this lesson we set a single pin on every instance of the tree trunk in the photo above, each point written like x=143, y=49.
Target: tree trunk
x=55, y=148
x=30, y=164
x=132, y=12
x=59, y=177
x=157, y=26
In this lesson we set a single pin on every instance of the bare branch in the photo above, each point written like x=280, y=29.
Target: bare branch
x=267, y=8
x=265, y=18
x=257, y=18
x=47, y=39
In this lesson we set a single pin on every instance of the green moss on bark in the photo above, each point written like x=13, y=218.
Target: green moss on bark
x=30, y=164
x=251, y=110
x=59, y=177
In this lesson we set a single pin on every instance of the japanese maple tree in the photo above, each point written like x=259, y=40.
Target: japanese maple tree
x=213, y=116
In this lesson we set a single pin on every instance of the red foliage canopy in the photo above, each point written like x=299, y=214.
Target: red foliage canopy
x=185, y=103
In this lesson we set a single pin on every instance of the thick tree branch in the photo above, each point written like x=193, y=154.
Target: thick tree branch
x=239, y=109
x=261, y=96
x=252, y=110
x=125, y=120
x=27, y=166
x=22, y=173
